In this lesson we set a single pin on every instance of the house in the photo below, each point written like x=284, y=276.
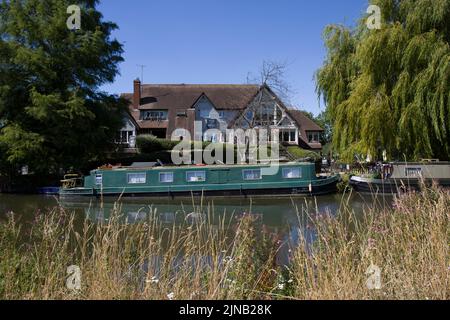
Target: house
x=161, y=110
x=310, y=132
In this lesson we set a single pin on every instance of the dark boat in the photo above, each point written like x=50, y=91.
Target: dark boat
x=402, y=177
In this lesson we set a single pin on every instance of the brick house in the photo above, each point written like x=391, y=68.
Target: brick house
x=160, y=109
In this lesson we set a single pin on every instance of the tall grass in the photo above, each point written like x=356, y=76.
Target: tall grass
x=408, y=244
x=206, y=257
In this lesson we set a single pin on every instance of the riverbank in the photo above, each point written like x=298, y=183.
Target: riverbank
x=390, y=253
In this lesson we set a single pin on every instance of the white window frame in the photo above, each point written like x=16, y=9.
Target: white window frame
x=286, y=170
x=313, y=137
x=138, y=180
x=251, y=170
x=203, y=174
x=412, y=172
x=154, y=115
x=99, y=178
x=166, y=173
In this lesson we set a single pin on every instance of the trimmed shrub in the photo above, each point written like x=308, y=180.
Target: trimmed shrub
x=300, y=153
x=149, y=144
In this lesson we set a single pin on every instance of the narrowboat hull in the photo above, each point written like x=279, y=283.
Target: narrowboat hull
x=327, y=186
x=392, y=186
x=218, y=182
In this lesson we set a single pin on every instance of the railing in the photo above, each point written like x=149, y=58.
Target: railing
x=71, y=181
x=355, y=168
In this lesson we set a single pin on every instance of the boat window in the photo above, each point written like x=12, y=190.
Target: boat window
x=292, y=173
x=137, y=178
x=196, y=176
x=252, y=174
x=98, y=179
x=166, y=177
x=413, y=172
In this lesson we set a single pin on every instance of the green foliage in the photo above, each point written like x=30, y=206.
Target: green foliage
x=51, y=108
x=300, y=153
x=148, y=144
x=389, y=89
x=325, y=122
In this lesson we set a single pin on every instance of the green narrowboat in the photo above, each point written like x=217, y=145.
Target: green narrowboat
x=184, y=181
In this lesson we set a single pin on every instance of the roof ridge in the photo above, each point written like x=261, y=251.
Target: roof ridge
x=198, y=85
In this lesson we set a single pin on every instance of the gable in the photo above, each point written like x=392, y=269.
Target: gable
x=204, y=105
x=128, y=123
x=266, y=109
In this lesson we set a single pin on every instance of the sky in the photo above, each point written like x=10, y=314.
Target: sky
x=222, y=41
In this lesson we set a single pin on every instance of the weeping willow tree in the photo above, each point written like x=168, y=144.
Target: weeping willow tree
x=389, y=89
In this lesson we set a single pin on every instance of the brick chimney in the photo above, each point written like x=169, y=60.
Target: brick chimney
x=137, y=94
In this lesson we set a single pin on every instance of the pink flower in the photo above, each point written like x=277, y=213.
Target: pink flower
x=371, y=243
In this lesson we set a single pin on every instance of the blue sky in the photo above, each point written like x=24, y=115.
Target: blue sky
x=221, y=41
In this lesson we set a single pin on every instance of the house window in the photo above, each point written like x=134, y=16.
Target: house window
x=292, y=173
x=196, y=176
x=212, y=123
x=252, y=174
x=137, y=178
x=292, y=137
x=313, y=137
x=221, y=114
x=288, y=136
x=204, y=113
x=154, y=115
x=99, y=179
x=124, y=137
x=166, y=177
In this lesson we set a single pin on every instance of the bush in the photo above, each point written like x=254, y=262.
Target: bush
x=149, y=144
x=300, y=153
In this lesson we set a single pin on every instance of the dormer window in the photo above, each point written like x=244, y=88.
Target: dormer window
x=153, y=115
x=313, y=137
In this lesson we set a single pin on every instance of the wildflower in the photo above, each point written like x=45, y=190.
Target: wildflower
x=281, y=286
x=171, y=296
x=228, y=259
x=153, y=280
x=371, y=243
x=290, y=281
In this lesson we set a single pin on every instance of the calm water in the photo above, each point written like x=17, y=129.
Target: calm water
x=284, y=216
x=275, y=212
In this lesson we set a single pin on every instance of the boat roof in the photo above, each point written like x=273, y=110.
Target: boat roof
x=155, y=166
x=423, y=163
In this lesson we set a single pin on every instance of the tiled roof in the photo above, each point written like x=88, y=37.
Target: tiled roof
x=184, y=96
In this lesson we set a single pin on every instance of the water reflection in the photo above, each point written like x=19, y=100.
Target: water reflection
x=282, y=216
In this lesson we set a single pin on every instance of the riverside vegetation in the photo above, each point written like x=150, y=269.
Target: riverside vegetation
x=207, y=257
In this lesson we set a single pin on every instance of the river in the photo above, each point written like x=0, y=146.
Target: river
x=282, y=215
x=275, y=212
